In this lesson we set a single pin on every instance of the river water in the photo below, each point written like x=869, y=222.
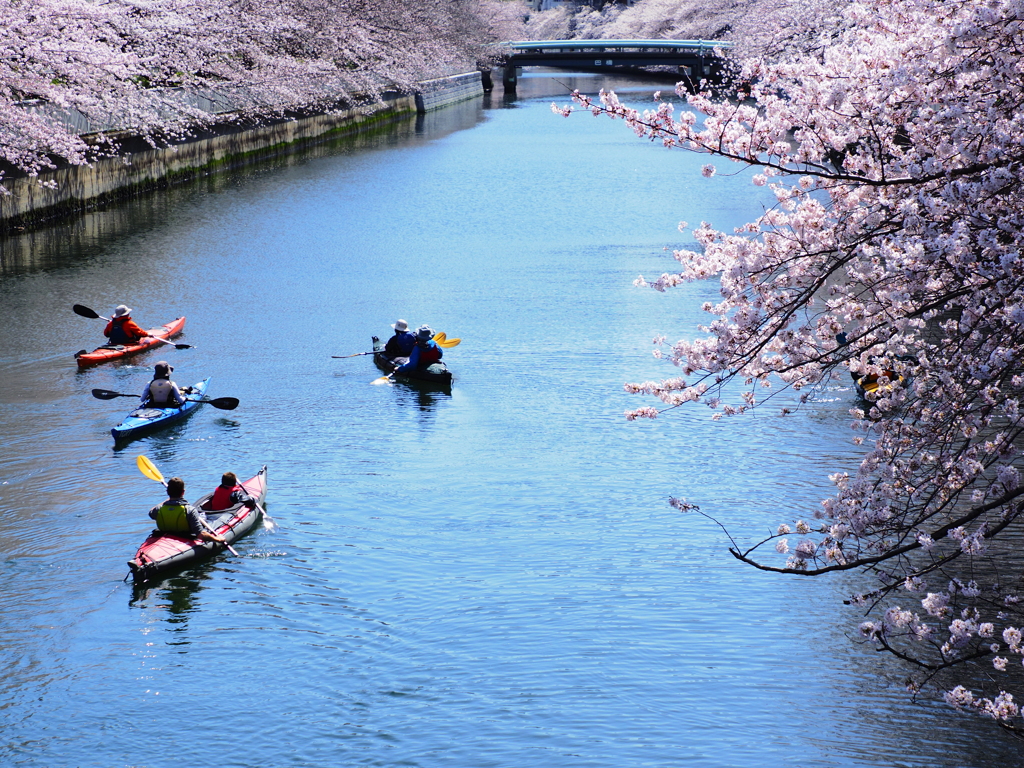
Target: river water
x=490, y=576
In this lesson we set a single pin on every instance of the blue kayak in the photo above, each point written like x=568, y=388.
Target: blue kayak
x=145, y=418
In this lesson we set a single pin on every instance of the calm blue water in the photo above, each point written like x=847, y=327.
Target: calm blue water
x=486, y=577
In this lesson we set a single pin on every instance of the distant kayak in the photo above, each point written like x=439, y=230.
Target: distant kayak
x=162, y=552
x=868, y=387
x=112, y=352
x=436, y=373
x=146, y=419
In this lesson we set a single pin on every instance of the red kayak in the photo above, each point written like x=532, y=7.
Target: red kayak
x=108, y=352
x=162, y=552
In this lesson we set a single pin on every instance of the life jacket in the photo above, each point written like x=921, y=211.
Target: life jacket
x=118, y=335
x=161, y=394
x=429, y=354
x=172, y=517
x=222, y=497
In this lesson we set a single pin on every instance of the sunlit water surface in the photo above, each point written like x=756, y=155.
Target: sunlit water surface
x=490, y=576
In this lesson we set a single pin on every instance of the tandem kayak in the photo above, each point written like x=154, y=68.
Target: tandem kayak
x=144, y=419
x=436, y=373
x=112, y=352
x=162, y=552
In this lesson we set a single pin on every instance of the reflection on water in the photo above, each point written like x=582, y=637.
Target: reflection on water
x=69, y=243
x=423, y=395
x=177, y=595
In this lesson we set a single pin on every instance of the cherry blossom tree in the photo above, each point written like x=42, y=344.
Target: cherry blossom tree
x=893, y=254
x=751, y=25
x=159, y=68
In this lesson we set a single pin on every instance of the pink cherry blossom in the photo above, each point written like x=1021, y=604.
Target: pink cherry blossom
x=76, y=72
x=891, y=142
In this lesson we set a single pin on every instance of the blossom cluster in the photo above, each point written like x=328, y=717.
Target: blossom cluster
x=75, y=66
x=892, y=254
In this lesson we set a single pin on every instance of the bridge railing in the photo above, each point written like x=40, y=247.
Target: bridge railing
x=646, y=46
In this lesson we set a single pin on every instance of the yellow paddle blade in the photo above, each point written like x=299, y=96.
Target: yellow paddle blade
x=148, y=468
x=382, y=380
x=439, y=337
x=449, y=343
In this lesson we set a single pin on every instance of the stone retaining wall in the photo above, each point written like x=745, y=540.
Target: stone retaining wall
x=434, y=94
x=71, y=190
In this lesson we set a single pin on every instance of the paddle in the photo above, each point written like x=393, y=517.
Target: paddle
x=270, y=522
x=357, y=354
x=148, y=468
x=78, y=309
x=224, y=403
x=383, y=379
x=442, y=340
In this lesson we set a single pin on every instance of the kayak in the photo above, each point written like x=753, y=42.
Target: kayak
x=112, y=352
x=162, y=552
x=869, y=389
x=145, y=419
x=437, y=373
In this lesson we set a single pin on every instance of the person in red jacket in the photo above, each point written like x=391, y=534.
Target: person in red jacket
x=122, y=330
x=229, y=493
x=425, y=353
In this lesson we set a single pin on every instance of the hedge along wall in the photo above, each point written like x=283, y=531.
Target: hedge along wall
x=139, y=168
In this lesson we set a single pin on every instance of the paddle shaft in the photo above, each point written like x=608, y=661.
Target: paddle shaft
x=357, y=354
x=210, y=529
x=223, y=403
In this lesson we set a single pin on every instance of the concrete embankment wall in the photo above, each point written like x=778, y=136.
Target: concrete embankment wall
x=72, y=190
x=434, y=94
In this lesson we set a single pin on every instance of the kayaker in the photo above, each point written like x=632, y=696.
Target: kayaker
x=161, y=392
x=425, y=353
x=178, y=516
x=402, y=343
x=229, y=493
x=121, y=330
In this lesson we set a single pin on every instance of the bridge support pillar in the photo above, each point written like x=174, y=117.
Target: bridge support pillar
x=485, y=79
x=509, y=77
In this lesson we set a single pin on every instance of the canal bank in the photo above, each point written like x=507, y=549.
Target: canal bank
x=70, y=190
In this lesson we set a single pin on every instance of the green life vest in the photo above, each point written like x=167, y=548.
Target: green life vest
x=171, y=517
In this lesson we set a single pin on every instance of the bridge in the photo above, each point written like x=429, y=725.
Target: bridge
x=692, y=59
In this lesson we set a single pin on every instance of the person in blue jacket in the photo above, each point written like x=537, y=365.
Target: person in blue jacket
x=402, y=343
x=425, y=353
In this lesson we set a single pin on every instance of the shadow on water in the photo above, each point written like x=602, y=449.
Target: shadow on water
x=226, y=423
